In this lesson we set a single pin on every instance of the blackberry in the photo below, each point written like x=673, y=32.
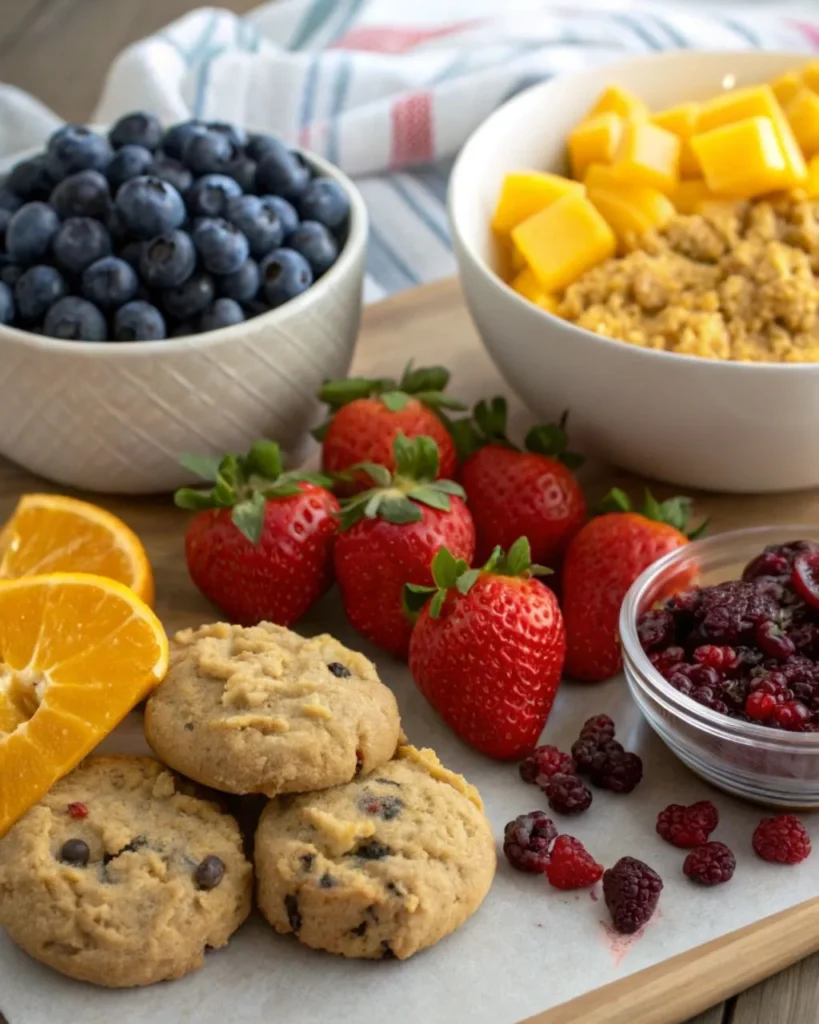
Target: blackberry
x=631, y=890
x=567, y=794
x=527, y=839
x=710, y=864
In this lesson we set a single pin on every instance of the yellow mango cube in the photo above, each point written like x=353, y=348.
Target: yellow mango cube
x=688, y=196
x=648, y=155
x=594, y=141
x=803, y=116
x=600, y=176
x=527, y=285
x=549, y=303
x=811, y=186
x=632, y=209
x=682, y=122
x=564, y=241
x=786, y=87
x=617, y=100
x=525, y=193
x=810, y=75
x=743, y=158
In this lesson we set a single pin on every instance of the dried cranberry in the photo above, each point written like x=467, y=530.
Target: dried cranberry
x=805, y=577
x=773, y=641
x=720, y=659
x=791, y=715
x=770, y=563
x=667, y=661
x=78, y=809
x=760, y=706
x=655, y=629
x=682, y=683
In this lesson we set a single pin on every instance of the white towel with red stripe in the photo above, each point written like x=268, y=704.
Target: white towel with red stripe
x=389, y=89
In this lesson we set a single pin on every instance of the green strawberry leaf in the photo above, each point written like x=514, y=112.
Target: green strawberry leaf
x=431, y=497
x=320, y=432
x=436, y=606
x=425, y=378
x=436, y=401
x=399, y=511
x=380, y=475
x=264, y=459
x=446, y=569
x=465, y=435
x=206, y=467
x=414, y=597
x=518, y=557
x=699, y=531
x=653, y=510
x=449, y=487
x=615, y=501
x=416, y=458
x=195, y=501
x=491, y=419
x=395, y=401
x=552, y=441
x=467, y=580
x=248, y=517
x=674, y=512
x=338, y=393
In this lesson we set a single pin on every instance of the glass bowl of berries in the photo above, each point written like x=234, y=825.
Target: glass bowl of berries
x=721, y=653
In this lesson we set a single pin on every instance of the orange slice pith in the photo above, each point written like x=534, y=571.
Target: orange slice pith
x=77, y=652
x=52, y=533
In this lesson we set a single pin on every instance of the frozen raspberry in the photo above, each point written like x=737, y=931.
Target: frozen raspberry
x=567, y=794
x=600, y=728
x=690, y=826
x=617, y=771
x=791, y=715
x=603, y=752
x=656, y=629
x=527, y=839
x=729, y=611
x=545, y=761
x=78, y=809
x=631, y=890
x=769, y=563
x=782, y=840
x=667, y=661
x=722, y=659
x=583, y=753
x=711, y=864
x=571, y=866
x=773, y=641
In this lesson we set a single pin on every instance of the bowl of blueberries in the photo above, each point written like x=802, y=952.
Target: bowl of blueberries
x=166, y=290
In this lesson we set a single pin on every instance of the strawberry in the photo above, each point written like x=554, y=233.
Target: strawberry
x=487, y=649
x=515, y=493
x=602, y=562
x=389, y=536
x=261, y=547
x=367, y=415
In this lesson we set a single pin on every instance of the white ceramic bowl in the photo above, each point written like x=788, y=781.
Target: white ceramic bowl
x=116, y=417
x=694, y=422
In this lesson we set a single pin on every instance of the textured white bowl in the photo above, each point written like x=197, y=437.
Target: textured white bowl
x=695, y=422
x=116, y=417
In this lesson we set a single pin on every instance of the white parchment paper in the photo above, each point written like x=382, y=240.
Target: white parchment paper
x=529, y=947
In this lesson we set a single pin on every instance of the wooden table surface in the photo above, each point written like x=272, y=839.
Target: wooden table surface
x=59, y=50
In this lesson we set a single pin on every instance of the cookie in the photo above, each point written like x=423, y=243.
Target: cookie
x=382, y=867
x=264, y=710
x=119, y=878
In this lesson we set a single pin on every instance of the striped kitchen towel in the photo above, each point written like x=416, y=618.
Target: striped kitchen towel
x=389, y=89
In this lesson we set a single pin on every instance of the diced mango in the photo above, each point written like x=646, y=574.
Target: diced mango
x=810, y=75
x=600, y=176
x=594, y=141
x=617, y=100
x=786, y=87
x=525, y=193
x=743, y=158
x=803, y=115
x=718, y=207
x=632, y=209
x=689, y=195
x=548, y=302
x=518, y=262
x=527, y=285
x=811, y=186
x=563, y=241
x=648, y=155
x=682, y=122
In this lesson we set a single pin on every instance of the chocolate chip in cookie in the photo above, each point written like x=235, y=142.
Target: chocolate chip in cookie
x=209, y=873
x=75, y=851
x=307, y=861
x=291, y=905
x=385, y=807
x=327, y=881
x=372, y=850
x=339, y=671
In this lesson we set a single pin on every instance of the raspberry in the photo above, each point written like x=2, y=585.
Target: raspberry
x=617, y=771
x=782, y=840
x=666, y=661
x=571, y=866
x=711, y=864
x=583, y=753
x=567, y=794
x=78, y=809
x=527, y=839
x=598, y=727
x=723, y=659
x=760, y=705
x=769, y=563
x=631, y=890
x=545, y=761
x=690, y=826
x=655, y=629
x=791, y=715
x=729, y=611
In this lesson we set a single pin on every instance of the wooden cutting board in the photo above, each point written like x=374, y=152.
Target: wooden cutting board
x=431, y=326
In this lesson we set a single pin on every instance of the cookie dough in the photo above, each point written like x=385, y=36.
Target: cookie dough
x=381, y=867
x=119, y=878
x=264, y=710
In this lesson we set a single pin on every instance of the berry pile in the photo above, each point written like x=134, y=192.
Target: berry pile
x=748, y=648
x=153, y=233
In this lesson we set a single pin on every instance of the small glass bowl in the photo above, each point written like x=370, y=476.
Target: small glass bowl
x=768, y=766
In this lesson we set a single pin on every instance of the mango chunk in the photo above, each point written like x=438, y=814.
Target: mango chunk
x=632, y=209
x=617, y=100
x=810, y=75
x=594, y=141
x=549, y=303
x=563, y=241
x=682, y=122
x=743, y=158
x=786, y=87
x=527, y=285
x=689, y=196
x=803, y=116
x=600, y=176
x=648, y=155
x=811, y=186
x=525, y=193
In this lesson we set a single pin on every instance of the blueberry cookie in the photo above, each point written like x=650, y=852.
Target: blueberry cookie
x=382, y=867
x=120, y=878
x=264, y=710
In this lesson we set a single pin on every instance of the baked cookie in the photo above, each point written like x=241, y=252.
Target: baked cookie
x=119, y=878
x=264, y=710
x=381, y=867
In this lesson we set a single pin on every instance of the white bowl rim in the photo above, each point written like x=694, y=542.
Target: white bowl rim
x=356, y=241
x=682, y=56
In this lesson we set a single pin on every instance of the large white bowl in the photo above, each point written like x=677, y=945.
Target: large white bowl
x=695, y=422
x=116, y=416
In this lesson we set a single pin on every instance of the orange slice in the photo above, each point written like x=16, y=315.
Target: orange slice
x=52, y=533
x=77, y=652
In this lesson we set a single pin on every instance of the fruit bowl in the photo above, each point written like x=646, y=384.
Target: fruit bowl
x=766, y=765
x=725, y=426
x=115, y=417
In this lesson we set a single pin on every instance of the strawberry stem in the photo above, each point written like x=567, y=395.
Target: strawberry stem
x=487, y=425
x=675, y=512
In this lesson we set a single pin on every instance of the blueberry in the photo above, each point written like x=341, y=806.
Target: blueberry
x=172, y=171
x=84, y=194
x=209, y=196
x=9, y=201
x=243, y=171
x=241, y=285
x=325, y=201
x=79, y=242
x=258, y=222
x=75, y=319
x=109, y=282
x=286, y=213
x=37, y=290
x=285, y=274
x=10, y=273
x=76, y=148
x=138, y=129
x=183, y=329
x=221, y=246
x=236, y=135
x=174, y=139
x=29, y=179
x=5, y=220
x=223, y=313
x=167, y=260
x=138, y=321
x=6, y=304
x=282, y=172
x=132, y=253
x=261, y=143
x=129, y=162
x=316, y=245
x=207, y=151
x=150, y=206
x=188, y=299
x=31, y=231
x=117, y=228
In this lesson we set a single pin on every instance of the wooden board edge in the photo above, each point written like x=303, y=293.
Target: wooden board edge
x=691, y=982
